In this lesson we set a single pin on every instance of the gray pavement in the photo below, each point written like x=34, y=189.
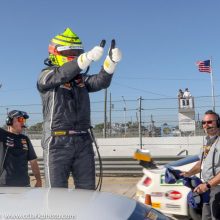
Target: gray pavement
x=120, y=185
x=125, y=186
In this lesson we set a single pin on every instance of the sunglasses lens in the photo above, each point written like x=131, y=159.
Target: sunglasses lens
x=207, y=122
x=21, y=120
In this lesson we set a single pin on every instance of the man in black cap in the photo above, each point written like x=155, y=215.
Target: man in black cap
x=15, y=152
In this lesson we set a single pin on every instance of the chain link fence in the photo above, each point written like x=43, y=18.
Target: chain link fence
x=127, y=118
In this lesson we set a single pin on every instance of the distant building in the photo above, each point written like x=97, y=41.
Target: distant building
x=186, y=114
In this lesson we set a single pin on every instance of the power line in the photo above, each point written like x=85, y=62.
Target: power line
x=113, y=101
x=164, y=79
x=142, y=90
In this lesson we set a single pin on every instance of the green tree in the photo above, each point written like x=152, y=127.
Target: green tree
x=37, y=127
x=99, y=127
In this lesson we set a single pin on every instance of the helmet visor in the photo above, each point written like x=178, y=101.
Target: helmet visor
x=71, y=52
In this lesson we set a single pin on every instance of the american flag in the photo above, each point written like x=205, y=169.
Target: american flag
x=204, y=66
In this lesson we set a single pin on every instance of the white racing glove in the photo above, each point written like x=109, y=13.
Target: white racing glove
x=95, y=54
x=114, y=56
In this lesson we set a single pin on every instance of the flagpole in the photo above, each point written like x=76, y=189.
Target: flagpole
x=212, y=85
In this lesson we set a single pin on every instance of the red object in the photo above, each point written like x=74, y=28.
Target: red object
x=147, y=181
x=173, y=195
x=148, y=199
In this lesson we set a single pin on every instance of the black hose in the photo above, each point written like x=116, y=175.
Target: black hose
x=99, y=184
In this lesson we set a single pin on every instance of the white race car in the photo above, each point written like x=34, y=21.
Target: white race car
x=59, y=203
x=170, y=199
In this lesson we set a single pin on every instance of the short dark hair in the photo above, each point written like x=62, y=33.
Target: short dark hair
x=211, y=112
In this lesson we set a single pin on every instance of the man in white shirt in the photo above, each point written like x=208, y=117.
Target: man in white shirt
x=187, y=95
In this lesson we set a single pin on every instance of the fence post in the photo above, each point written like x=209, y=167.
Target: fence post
x=140, y=122
x=105, y=115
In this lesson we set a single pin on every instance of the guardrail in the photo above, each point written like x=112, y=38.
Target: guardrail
x=120, y=166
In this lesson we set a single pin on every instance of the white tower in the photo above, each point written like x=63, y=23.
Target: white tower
x=186, y=115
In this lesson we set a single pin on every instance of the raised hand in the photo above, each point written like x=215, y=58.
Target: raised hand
x=113, y=57
x=85, y=59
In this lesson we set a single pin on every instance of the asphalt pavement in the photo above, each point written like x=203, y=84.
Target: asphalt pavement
x=125, y=186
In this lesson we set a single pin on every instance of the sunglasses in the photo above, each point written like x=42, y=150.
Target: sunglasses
x=21, y=119
x=207, y=122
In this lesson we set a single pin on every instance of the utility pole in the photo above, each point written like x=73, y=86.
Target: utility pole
x=105, y=114
x=124, y=116
x=110, y=114
x=140, y=122
x=152, y=127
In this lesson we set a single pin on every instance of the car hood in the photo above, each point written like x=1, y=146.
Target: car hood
x=61, y=203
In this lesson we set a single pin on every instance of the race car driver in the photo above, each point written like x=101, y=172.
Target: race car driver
x=64, y=90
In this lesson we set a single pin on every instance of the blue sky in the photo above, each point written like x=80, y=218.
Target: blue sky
x=161, y=41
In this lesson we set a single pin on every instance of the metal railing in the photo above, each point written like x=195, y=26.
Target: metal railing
x=121, y=166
